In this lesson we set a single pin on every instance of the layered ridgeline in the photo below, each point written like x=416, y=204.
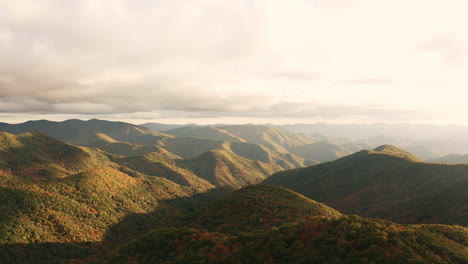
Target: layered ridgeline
x=131, y=140
x=54, y=191
x=267, y=224
x=263, y=143
x=310, y=147
x=274, y=138
x=388, y=183
x=83, y=132
x=451, y=159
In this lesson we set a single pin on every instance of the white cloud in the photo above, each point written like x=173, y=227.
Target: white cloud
x=246, y=58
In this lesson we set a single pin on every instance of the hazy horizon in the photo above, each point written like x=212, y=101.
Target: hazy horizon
x=252, y=61
x=183, y=121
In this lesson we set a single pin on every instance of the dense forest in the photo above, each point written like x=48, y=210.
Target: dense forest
x=128, y=194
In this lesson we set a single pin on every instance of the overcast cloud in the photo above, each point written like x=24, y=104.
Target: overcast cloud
x=216, y=61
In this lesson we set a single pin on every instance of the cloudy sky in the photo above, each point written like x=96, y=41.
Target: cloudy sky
x=213, y=61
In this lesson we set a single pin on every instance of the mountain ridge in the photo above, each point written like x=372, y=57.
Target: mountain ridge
x=386, y=184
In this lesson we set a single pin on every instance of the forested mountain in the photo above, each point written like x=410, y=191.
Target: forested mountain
x=207, y=132
x=83, y=132
x=321, y=151
x=61, y=203
x=64, y=190
x=388, y=183
x=53, y=191
x=257, y=206
x=451, y=159
x=274, y=138
x=221, y=167
x=130, y=140
x=263, y=143
x=305, y=146
x=164, y=127
x=265, y=224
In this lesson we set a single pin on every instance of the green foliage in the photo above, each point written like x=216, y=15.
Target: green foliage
x=389, y=183
x=258, y=206
x=344, y=239
x=221, y=167
x=208, y=132
x=61, y=203
x=52, y=191
x=83, y=132
x=392, y=150
x=273, y=138
x=321, y=151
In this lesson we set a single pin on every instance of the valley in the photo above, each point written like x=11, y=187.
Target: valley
x=102, y=192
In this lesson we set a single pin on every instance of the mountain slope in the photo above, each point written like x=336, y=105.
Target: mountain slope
x=163, y=127
x=274, y=138
x=388, y=183
x=152, y=165
x=451, y=159
x=127, y=149
x=82, y=132
x=126, y=139
x=206, y=132
x=54, y=191
x=422, y=152
x=258, y=206
x=321, y=151
x=190, y=147
x=37, y=154
x=266, y=224
x=221, y=167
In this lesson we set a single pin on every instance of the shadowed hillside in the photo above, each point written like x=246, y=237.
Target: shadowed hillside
x=321, y=151
x=258, y=206
x=451, y=159
x=266, y=224
x=53, y=191
x=388, y=183
x=221, y=167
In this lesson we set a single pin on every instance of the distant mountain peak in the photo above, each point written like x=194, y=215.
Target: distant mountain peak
x=387, y=147
x=395, y=151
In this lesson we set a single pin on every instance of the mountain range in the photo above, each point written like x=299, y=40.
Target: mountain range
x=388, y=183
x=112, y=192
x=267, y=224
x=425, y=141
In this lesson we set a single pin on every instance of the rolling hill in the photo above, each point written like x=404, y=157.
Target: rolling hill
x=451, y=159
x=191, y=147
x=130, y=140
x=82, y=132
x=127, y=149
x=274, y=138
x=257, y=206
x=422, y=152
x=266, y=224
x=164, y=127
x=65, y=203
x=54, y=191
x=322, y=151
x=221, y=167
x=206, y=132
x=387, y=183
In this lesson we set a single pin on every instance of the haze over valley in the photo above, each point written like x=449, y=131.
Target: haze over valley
x=303, y=131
